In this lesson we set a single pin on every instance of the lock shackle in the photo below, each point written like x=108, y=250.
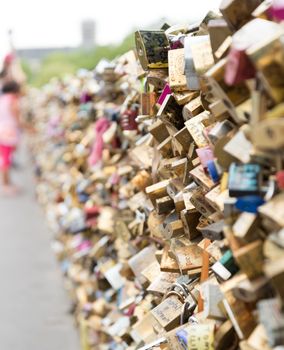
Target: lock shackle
x=187, y=312
x=175, y=293
x=185, y=308
x=146, y=86
x=182, y=287
x=182, y=293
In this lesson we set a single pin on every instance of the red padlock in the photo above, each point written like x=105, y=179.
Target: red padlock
x=128, y=119
x=280, y=179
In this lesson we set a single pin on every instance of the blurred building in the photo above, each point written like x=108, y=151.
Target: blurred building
x=88, y=34
x=35, y=55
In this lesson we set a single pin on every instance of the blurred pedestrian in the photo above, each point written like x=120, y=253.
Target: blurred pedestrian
x=12, y=70
x=9, y=132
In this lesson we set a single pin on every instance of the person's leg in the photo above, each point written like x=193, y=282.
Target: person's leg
x=4, y=161
x=6, y=153
x=6, y=177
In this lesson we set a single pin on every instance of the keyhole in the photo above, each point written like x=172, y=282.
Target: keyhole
x=270, y=133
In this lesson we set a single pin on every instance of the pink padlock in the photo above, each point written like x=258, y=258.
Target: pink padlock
x=238, y=67
x=277, y=10
x=205, y=154
x=166, y=91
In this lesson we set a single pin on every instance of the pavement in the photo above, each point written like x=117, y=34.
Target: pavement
x=33, y=303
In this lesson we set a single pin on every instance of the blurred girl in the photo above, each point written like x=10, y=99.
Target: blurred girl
x=9, y=131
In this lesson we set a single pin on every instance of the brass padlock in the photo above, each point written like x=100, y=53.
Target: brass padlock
x=152, y=48
x=148, y=100
x=238, y=12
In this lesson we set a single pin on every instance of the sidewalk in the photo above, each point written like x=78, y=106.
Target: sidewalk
x=33, y=304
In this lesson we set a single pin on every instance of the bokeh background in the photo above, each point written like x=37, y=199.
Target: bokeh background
x=57, y=37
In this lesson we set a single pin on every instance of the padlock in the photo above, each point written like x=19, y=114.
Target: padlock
x=244, y=179
x=277, y=10
x=166, y=91
x=148, y=100
x=231, y=96
x=268, y=134
x=177, y=78
x=201, y=335
x=158, y=78
x=280, y=179
x=152, y=48
x=198, y=59
x=238, y=12
x=218, y=32
x=271, y=317
x=267, y=54
x=128, y=118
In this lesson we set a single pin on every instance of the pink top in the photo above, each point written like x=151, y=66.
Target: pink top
x=9, y=130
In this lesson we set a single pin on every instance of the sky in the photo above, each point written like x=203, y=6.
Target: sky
x=55, y=23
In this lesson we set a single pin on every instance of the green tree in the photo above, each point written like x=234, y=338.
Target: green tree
x=59, y=64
